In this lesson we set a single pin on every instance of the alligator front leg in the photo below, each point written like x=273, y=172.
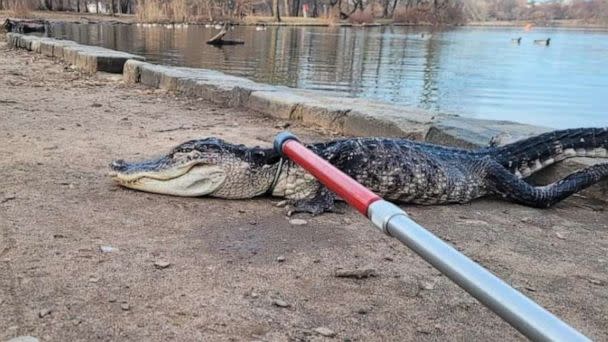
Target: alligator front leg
x=322, y=201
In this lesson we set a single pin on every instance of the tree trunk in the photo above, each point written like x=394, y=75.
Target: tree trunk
x=286, y=10
x=97, y=6
x=295, y=8
x=218, y=39
x=394, y=6
x=277, y=16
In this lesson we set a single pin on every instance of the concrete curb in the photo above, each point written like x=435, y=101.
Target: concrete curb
x=88, y=59
x=348, y=116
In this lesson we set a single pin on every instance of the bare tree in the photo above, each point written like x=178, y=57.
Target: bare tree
x=295, y=8
x=275, y=6
x=287, y=9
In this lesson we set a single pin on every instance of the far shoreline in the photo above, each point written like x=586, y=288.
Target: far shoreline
x=301, y=21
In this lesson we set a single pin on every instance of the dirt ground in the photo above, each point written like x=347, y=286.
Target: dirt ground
x=78, y=254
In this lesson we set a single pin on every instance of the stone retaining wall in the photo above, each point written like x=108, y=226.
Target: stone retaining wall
x=344, y=115
x=349, y=116
x=88, y=59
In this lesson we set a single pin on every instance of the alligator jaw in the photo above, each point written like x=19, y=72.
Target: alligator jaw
x=186, y=180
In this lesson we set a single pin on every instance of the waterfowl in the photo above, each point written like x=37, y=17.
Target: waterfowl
x=516, y=40
x=542, y=41
x=261, y=27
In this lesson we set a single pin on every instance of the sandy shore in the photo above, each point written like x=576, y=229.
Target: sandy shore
x=60, y=129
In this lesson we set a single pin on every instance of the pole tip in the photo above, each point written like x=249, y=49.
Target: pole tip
x=281, y=138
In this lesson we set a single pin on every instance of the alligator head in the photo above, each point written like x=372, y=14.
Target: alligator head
x=202, y=167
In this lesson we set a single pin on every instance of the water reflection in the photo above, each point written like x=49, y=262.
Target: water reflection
x=467, y=71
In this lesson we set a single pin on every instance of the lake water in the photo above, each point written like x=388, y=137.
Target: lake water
x=473, y=72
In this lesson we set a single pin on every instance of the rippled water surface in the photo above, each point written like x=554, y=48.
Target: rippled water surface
x=474, y=72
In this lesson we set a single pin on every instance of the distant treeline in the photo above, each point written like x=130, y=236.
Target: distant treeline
x=406, y=11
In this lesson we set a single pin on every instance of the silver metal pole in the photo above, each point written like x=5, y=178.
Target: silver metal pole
x=518, y=310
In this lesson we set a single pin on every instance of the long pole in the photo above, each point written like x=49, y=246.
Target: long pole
x=522, y=313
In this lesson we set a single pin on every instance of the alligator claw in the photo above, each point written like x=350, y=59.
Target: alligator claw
x=322, y=202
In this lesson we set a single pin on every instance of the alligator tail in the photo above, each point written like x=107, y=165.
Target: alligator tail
x=530, y=155
x=508, y=185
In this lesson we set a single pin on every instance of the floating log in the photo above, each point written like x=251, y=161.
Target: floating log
x=25, y=26
x=218, y=39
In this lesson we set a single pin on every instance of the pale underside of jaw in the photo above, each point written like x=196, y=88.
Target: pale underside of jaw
x=189, y=181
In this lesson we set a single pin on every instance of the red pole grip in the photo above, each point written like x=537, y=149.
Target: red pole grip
x=337, y=181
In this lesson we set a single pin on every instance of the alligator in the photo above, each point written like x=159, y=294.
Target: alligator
x=400, y=170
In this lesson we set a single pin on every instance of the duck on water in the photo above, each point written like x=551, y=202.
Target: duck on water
x=545, y=42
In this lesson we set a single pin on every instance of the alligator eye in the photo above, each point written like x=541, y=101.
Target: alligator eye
x=118, y=165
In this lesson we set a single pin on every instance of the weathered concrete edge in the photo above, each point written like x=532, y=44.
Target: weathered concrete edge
x=342, y=115
x=88, y=59
x=349, y=116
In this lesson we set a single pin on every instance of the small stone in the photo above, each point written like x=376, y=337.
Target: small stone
x=280, y=258
x=107, y=249
x=298, y=222
x=423, y=330
x=44, y=312
x=323, y=331
x=358, y=274
x=427, y=286
x=254, y=295
x=160, y=264
x=93, y=280
x=125, y=306
x=280, y=303
x=112, y=300
x=595, y=281
x=560, y=236
x=362, y=311
x=96, y=105
x=281, y=204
